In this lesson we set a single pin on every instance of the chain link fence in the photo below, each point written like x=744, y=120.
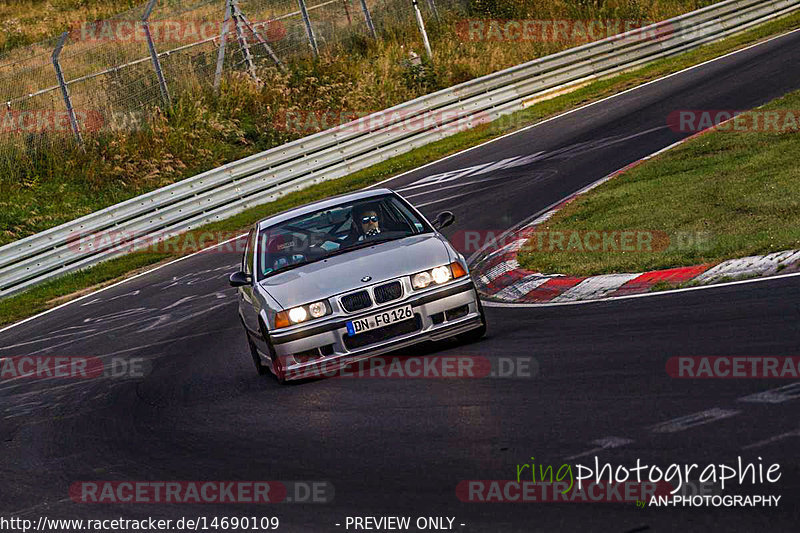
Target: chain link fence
x=115, y=73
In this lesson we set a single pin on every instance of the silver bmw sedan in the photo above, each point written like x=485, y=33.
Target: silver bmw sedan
x=350, y=277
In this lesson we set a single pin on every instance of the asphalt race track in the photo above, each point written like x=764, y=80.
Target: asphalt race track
x=401, y=446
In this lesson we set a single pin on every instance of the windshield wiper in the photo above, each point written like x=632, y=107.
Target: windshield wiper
x=363, y=244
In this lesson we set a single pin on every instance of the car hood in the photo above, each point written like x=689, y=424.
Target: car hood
x=342, y=273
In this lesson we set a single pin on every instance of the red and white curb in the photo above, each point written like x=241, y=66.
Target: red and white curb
x=499, y=277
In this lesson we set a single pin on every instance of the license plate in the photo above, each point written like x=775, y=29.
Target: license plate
x=379, y=320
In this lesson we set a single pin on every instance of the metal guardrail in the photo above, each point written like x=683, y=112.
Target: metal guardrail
x=232, y=188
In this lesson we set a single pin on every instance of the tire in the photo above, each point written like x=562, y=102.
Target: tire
x=260, y=367
x=476, y=334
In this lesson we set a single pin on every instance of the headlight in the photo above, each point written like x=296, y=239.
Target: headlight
x=317, y=309
x=438, y=275
x=298, y=314
x=302, y=313
x=421, y=280
x=441, y=274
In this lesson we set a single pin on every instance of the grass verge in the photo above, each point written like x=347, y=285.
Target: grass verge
x=722, y=195
x=57, y=291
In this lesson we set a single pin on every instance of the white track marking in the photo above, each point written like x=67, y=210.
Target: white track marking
x=779, y=395
x=696, y=419
x=602, y=444
x=776, y=438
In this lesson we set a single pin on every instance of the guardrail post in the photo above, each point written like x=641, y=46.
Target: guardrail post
x=73, y=123
x=368, y=17
x=421, y=25
x=222, y=37
x=309, y=30
x=162, y=83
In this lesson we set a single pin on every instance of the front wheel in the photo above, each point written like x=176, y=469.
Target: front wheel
x=260, y=368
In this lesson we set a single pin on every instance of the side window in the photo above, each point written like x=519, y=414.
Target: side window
x=249, y=252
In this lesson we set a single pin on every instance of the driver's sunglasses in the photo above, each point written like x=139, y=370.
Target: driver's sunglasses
x=367, y=220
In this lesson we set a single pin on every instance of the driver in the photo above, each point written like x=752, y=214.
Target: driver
x=366, y=222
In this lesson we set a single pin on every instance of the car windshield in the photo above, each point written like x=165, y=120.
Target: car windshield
x=335, y=230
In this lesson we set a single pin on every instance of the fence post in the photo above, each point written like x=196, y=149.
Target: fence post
x=347, y=11
x=309, y=30
x=432, y=5
x=222, y=36
x=248, y=57
x=64, y=92
x=162, y=84
x=367, y=16
x=421, y=25
x=263, y=42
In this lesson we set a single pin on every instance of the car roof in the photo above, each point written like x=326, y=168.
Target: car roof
x=322, y=204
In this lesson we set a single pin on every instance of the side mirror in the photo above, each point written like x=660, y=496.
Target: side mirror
x=444, y=219
x=240, y=279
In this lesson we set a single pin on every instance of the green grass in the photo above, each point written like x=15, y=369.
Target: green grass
x=47, y=295
x=738, y=191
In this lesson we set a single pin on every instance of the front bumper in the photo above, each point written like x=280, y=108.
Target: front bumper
x=434, y=320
